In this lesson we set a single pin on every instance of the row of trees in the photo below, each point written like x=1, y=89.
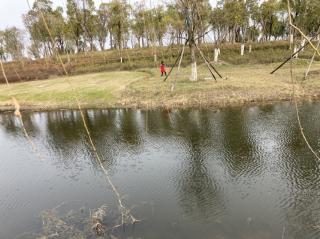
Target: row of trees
x=81, y=26
x=11, y=43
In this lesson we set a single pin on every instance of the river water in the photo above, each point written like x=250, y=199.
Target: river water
x=236, y=173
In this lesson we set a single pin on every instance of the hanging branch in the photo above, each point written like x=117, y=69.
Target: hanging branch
x=204, y=34
x=307, y=39
x=18, y=114
x=125, y=212
x=295, y=99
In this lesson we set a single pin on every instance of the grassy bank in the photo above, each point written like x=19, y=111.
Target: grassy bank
x=244, y=84
x=83, y=63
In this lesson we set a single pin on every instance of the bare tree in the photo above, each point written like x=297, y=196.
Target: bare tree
x=191, y=10
x=14, y=43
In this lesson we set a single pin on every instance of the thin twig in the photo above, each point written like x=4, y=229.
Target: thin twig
x=17, y=74
x=18, y=114
x=296, y=103
x=307, y=39
x=125, y=213
x=311, y=61
x=178, y=70
x=298, y=29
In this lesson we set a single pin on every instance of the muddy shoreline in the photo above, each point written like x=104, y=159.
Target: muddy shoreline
x=157, y=105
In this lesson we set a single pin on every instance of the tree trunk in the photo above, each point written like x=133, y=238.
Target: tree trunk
x=102, y=44
x=295, y=49
x=77, y=46
x=303, y=42
x=45, y=53
x=120, y=48
x=291, y=40
x=91, y=44
x=234, y=35
x=216, y=54
x=194, y=72
x=242, y=49
x=111, y=40
x=139, y=44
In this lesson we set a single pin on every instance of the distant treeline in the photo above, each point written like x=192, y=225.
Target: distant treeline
x=80, y=26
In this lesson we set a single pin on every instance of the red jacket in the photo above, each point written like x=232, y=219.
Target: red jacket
x=163, y=68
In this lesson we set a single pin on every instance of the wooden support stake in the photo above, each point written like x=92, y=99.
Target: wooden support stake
x=293, y=54
x=212, y=65
x=176, y=62
x=207, y=63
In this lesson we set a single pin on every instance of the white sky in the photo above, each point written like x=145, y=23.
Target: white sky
x=11, y=10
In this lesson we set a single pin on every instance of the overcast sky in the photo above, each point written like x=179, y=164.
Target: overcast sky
x=12, y=10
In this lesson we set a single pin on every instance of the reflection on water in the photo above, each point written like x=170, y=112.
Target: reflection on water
x=233, y=173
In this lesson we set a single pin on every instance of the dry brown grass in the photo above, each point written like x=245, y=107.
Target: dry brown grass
x=245, y=84
x=90, y=62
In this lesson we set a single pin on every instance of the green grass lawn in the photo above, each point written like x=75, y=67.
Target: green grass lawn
x=91, y=89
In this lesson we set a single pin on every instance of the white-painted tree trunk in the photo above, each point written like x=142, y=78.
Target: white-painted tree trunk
x=45, y=57
x=303, y=42
x=155, y=57
x=250, y=48
x=194, y=72
x=291, y=39
x=242, y=49
x=294, y=50
x=216, y=54
x=120, y=47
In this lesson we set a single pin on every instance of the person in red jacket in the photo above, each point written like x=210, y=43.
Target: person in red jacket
x=163, y=69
